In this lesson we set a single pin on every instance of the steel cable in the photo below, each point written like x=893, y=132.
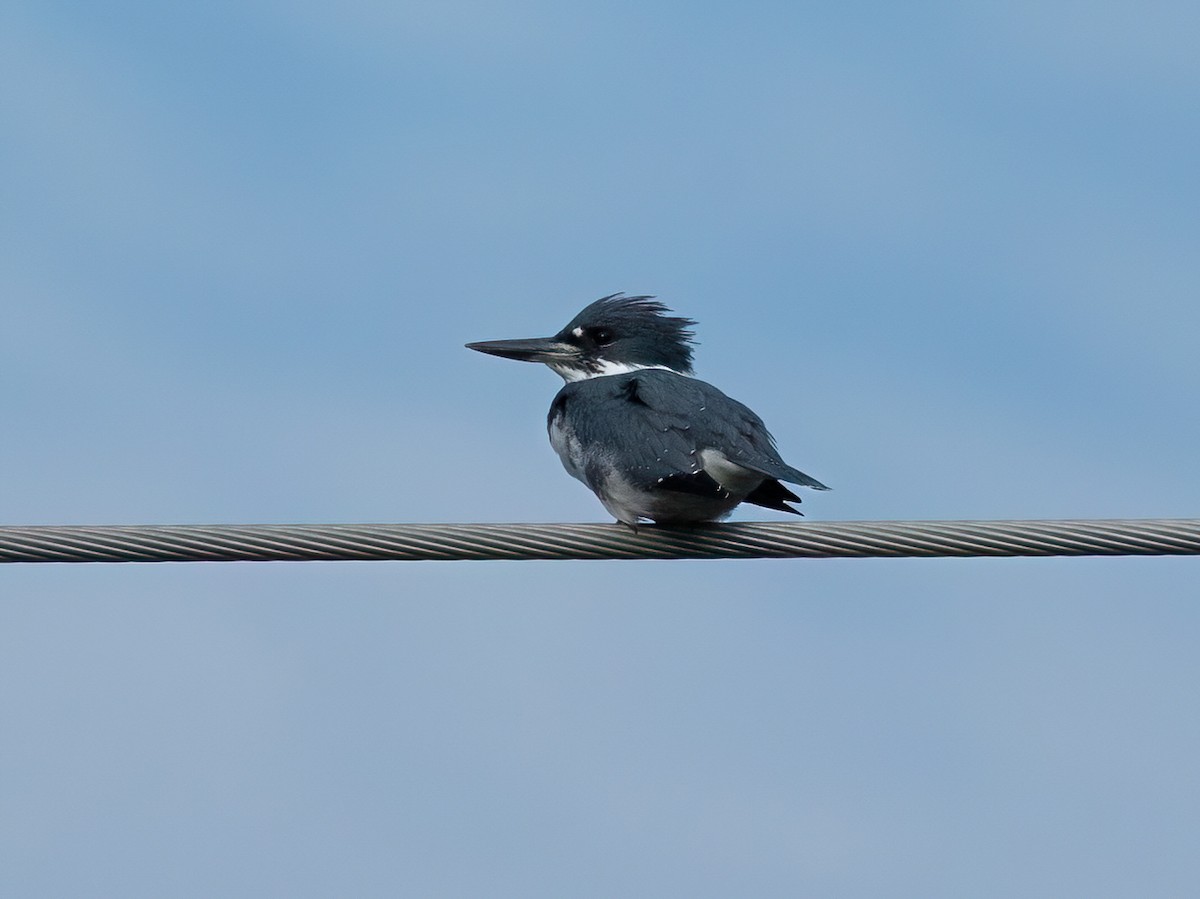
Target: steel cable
x=458, y=542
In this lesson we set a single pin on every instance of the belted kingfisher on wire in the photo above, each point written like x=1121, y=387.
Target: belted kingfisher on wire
x=651, y=441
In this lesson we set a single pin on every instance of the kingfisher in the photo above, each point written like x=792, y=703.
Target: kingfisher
x=632, y=423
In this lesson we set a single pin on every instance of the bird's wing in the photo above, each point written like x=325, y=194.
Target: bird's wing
x=722, y=424
x=610, y=420
x=663, y=424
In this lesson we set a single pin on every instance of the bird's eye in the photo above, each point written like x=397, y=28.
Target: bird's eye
x=603, y=336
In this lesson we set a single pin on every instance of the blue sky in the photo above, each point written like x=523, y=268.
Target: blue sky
x=947, y=252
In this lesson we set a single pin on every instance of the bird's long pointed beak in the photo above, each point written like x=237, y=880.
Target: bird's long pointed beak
x=532, y=349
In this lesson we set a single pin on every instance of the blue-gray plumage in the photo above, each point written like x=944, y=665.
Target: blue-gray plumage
x=651, y=441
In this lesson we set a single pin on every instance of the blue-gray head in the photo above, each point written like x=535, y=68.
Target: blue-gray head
x=615, y=334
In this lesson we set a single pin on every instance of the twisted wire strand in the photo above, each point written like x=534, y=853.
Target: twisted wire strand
x=460, y=542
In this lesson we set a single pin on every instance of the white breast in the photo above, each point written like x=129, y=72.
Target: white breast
x=567, y=445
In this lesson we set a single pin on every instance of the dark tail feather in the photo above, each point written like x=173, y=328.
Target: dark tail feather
x=771, y=494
